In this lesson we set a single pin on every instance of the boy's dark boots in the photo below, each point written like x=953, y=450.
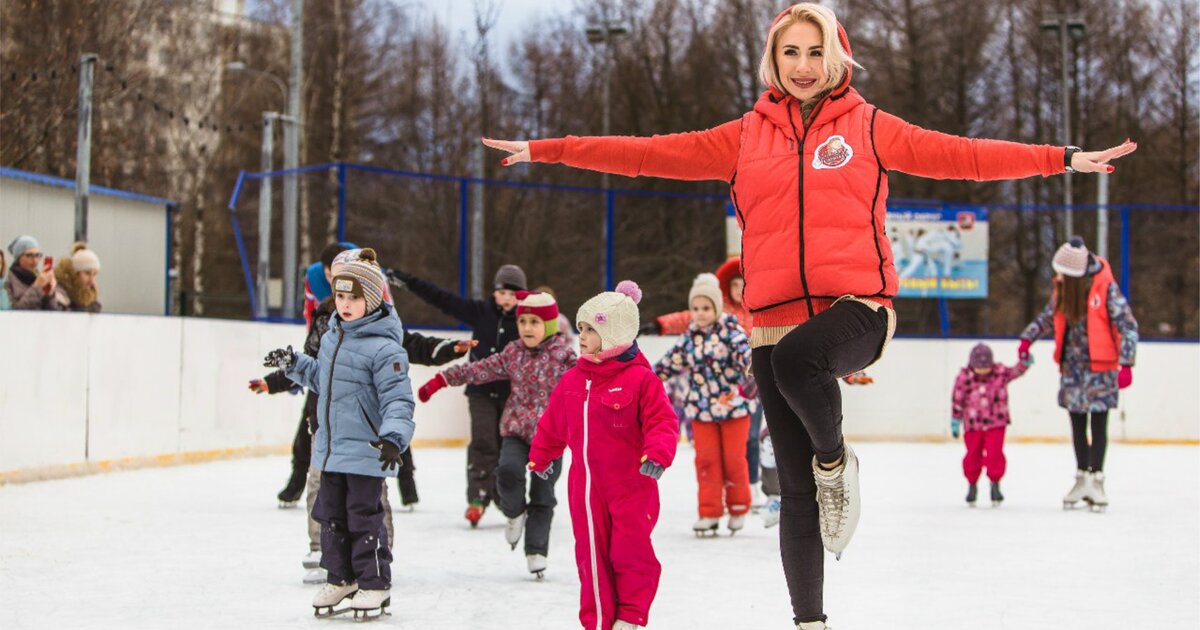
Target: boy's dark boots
x=972, y=494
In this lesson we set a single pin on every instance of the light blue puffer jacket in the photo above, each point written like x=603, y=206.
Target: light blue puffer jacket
x=361, y=376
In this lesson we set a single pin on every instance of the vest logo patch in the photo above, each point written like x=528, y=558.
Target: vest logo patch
x=1096, y=301
x=833, y=153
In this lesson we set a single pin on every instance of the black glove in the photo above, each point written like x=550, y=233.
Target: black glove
x=389, y=454
x=398, y=278
x=650, y=328
x=652, y=469
x=280, y=358
x=544, y=475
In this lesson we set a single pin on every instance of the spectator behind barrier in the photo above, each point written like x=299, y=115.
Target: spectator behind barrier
x=76, y=276
x=30, y=284
x=5, y=303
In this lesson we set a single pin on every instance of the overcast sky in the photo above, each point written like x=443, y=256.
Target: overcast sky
x=459, y=16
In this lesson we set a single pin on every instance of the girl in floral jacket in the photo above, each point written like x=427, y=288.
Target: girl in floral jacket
x=534, y=364
x=981, y=404
x=715, y=356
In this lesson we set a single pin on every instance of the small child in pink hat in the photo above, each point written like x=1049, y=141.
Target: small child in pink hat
x=980, y=405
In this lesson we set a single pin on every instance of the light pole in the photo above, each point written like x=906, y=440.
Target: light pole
x=1073, y=28
x=604, y=33
x=262, y=277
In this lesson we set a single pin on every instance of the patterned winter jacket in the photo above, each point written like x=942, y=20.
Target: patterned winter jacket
x=981, y=401
x=533, y=372
x=716, y=360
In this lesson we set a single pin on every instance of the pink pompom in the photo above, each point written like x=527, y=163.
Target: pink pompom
x=630, y=288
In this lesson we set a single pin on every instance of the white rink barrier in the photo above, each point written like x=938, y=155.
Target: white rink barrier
x=82, y=393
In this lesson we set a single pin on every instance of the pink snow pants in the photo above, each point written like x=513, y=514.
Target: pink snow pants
x=618, y=571
x=984, y=449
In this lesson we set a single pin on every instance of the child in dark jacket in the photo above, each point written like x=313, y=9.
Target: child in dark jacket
x=980, y=405
x=493, y=325
x=714, y=354
x=364, y=418
x=533, y=364
x=613, y=413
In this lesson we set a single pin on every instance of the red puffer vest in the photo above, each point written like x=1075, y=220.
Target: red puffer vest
x=1101, y=334
x=811, y=203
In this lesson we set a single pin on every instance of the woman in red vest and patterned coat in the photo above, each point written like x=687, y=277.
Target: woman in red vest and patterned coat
x=807, y=170
x=1095, y=343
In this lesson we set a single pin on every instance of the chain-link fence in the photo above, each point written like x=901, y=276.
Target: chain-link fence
x=580, y=240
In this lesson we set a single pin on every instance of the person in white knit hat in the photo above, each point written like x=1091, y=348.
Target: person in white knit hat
x=1095, y=344
x=714, y=356
x=611, y=410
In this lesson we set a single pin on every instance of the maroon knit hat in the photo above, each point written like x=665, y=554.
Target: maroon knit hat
x=981, y=356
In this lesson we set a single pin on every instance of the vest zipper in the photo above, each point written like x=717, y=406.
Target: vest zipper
x=800, y=191
x=329, y=400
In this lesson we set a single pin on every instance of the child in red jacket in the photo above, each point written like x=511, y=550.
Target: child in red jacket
x=612, y=411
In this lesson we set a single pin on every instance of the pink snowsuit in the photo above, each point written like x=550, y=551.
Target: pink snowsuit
x=611, y=414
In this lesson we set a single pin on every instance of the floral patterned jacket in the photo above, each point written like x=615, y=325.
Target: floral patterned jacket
x=981, y=401
x=716, y=361
x=534, y=373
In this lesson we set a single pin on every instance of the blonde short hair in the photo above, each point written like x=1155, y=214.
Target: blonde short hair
x=836, y=59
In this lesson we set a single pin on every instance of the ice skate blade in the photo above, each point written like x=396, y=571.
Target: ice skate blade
x=838, y=556
x=705, y=533
x=1098, y=509
x=970, y=504
x=364, y=614
x=997, y=504
x=287, y=505
x=325, y=612
x=538, y=575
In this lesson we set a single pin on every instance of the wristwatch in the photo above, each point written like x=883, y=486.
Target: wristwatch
x=1067, y=154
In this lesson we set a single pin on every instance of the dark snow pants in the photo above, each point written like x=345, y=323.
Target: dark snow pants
x=354, y=543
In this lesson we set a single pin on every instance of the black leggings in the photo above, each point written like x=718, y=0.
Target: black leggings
x=798, y=383
x=1091, y=457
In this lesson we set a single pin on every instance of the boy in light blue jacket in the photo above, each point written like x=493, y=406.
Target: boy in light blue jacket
x=364, y=417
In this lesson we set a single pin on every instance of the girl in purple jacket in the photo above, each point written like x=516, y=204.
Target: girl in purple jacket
x=981, y=407
x=534, y=363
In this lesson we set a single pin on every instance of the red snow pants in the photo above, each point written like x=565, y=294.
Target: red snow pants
x=721, y=469
x=984, y=449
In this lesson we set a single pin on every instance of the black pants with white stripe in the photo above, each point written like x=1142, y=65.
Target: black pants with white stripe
x=354, y=543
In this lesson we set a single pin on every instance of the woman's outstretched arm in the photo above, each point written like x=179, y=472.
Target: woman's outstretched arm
x=693, y=155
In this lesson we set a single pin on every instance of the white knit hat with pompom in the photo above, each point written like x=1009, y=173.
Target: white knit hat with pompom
x=614, y=315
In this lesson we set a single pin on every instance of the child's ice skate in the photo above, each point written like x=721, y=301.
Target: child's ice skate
x=736, y=522
x=1095, y=495
x=625, y=625
x=474, y=513
x=291, y=493
x=537, y=565
x=312, y=560
x=997, y=498
x=972, y=494
x=1078, y=491
x=771, y=515
x=514, y=528
x=330, y=596
x=838, y=502
x=706, y=526
x=371, y=604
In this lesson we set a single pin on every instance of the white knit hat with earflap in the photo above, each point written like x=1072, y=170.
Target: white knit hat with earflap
x=1072, y=258
x=614, y=315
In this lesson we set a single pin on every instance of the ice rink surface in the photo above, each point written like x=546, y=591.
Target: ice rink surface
x=204, y=546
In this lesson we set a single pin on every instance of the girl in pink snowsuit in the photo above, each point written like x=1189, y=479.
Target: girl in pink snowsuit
x=980, y=405
x=611, y=410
